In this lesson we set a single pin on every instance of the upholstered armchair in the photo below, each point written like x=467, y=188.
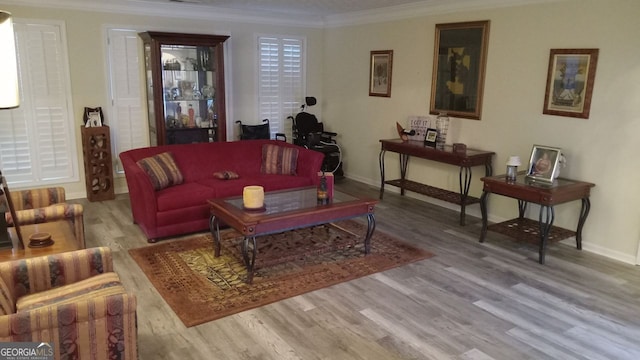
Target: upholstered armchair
x=73, y=301
x=36, y=206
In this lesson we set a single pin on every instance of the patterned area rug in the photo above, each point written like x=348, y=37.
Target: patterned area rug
x=201, y=288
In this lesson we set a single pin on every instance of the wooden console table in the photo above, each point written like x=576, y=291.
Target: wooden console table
x=465, y=161
x=546, y=195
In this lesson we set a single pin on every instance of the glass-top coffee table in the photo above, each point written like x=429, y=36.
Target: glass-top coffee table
x=284, y=211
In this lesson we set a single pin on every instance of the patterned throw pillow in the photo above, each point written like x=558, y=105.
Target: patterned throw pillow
x=279, y=160
x=225, y=175
x=6, y=301
x=162, y=170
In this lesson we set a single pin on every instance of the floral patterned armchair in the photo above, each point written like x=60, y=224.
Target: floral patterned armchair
x=36, y=206
x=73, y=300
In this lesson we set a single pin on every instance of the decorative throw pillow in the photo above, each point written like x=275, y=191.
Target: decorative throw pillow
x=225, y=175
x=6, y=301
x=162, y=170
x=280, y=160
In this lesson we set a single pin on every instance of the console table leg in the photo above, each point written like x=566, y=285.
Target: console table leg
x=464, y=190
x=522, y=207
x=546, y=218
x=381, y=160
x=250, y=263
x=371, y=226
x=404, y=162
x=214, y=227
x=483, y=210
x=584, y=212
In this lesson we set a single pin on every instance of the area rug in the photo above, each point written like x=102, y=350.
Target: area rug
x=201, y=288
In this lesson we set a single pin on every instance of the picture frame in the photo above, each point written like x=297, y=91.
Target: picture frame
x=380, y=70
x=459, y=62
x=93, y=117
x=430, y=137
x=543, y=163
x=570, y=79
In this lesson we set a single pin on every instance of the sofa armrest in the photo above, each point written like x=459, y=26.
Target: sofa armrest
x=309, y=164
x=142, y=195
x=37, y=198
x=101, y=327
x=27, y=276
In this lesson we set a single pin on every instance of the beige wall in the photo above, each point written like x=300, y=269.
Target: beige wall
x=601, y=149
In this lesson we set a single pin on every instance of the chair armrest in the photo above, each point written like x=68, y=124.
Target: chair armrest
x=37, y=198
x=27, y=276
x=47, y=214
x=101, y=327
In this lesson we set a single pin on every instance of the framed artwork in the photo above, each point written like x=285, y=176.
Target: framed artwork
x=381, y=64
x=93, y=117
x=430, y=137
x=543, y=163
x=459, y=61
x=570, y=82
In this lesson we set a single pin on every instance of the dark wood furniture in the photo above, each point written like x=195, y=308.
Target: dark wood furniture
x=284, y=210
x=98, y=163
x=61, y=233
x=185, y=87
x=465, y=160
x=547, y=196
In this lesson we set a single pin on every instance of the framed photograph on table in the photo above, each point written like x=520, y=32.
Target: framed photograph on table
x=459, y=61
x=430, y=137
x=570, y=82
x=543, y=163
x=380, y=66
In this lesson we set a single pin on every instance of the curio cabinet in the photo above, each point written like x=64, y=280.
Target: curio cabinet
x=185, y=87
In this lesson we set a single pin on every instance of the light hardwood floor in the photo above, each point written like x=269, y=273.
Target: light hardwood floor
x=469, y=301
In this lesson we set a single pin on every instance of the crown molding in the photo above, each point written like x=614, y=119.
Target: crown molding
x=194, y=11
x=174, y=10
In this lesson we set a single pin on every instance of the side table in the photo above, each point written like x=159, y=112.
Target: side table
x=545, y=195
x=61, y=233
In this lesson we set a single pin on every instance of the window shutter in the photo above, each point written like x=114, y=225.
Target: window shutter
x=38, y=145
x=281, y=80
x=127, y=119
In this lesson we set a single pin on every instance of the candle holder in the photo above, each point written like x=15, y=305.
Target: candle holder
x=253, y=198
x=512, y=168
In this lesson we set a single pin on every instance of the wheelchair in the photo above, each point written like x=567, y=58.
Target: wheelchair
x=262, y=131
x=309, y=132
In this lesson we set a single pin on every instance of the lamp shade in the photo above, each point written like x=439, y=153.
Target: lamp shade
x=9, y=97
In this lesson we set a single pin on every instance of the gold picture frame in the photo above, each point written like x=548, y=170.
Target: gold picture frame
x=380, y=70
x=459, y=62
x=570, y=82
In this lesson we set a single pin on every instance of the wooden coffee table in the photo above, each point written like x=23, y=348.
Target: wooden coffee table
x=284, y=210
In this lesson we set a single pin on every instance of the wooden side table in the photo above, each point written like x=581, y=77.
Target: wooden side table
x=464, y=160
x=61, y=233
x=546, y=195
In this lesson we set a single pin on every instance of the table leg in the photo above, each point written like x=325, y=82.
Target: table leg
x=371, y=226
x=488, y=169
x=584, y=212
x=464, y=190
x=381, y=160
x=545, y=220
x=250, y=263
x=214, y=226
x=483, y=210
x=522, y=207
x=404, y=162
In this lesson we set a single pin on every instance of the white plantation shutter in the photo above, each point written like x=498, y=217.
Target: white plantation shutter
x=127, y=119
x=37, y=142
x=281, y=80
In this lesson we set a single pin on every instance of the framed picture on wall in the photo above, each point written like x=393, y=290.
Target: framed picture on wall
x=380, y=66
x=543, y=163
x=570, y=82
x=459, y=61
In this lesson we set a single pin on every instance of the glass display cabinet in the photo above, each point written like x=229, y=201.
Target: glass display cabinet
x=185, y=87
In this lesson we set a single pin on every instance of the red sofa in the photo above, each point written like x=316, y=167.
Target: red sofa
x=182, y=209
